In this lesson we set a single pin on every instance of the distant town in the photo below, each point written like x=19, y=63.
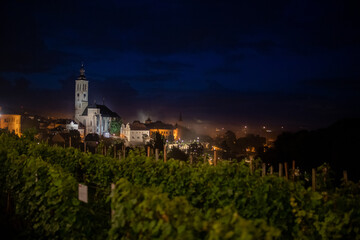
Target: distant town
x=94, y=122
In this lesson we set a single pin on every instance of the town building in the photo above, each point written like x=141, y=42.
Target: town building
x=138, y=132
x=95, y=118
x=11, y=122
x=167, y=130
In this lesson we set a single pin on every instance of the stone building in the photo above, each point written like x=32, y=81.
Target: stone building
x=11, y=122
x=95, y=118
x=138, y=132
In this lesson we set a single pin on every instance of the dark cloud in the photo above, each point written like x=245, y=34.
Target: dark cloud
x=340, y=85
x=224, y=70
x=158, y=57
x=22, y=48
x=168, y=66
x=149, y=77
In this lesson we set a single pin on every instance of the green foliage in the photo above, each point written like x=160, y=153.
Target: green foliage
x=29, y=134
x=148, y=213
x=115, y=126
x=167, y=200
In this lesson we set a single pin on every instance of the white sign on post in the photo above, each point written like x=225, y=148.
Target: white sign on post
x=83, y=193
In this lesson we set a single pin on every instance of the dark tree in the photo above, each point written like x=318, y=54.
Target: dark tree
x=159, y=141
x=337, y=145
x=197, y=150
x=177, y=154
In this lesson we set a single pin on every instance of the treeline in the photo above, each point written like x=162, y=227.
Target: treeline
x=337, y=145
x=153, y=199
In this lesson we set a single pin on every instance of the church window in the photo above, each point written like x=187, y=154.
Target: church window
x=78, y=95
x=84, y=95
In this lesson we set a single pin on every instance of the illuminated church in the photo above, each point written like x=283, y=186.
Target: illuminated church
x=95, y=118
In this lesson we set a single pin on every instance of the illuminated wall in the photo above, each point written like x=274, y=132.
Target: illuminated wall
x=165, y=132
x=12, y=122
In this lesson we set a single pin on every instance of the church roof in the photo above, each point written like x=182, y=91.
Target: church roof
x=136, y=125
x=104, y=111
x=159, y=125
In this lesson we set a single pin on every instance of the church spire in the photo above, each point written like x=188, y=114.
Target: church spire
x=82, y=72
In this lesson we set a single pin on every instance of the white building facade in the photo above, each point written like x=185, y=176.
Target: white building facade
x=136, y=132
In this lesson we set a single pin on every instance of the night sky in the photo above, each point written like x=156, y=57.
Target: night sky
x=219, y=63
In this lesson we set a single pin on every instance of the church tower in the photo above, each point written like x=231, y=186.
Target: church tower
x=81, y=94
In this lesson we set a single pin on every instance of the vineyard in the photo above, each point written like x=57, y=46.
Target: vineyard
x=138, y=197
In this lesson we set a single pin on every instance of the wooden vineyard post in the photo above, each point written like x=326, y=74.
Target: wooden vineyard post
x=148, y=151
x=313, y=179
x=263, y=170
x=114, y=151
x=124, y=151
x=251, y=166
x=104, y=150
x=325, y=173
x=119, y=155
x=293, y=170
x=191, y=158
x=69, y=141
x=345, y=176
x=280, y=170
x=112, y=194
x=165, y=153
x=156, y=154
x=84, y=146
x=215, y=158
x=286, y=171
x=271, y=170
